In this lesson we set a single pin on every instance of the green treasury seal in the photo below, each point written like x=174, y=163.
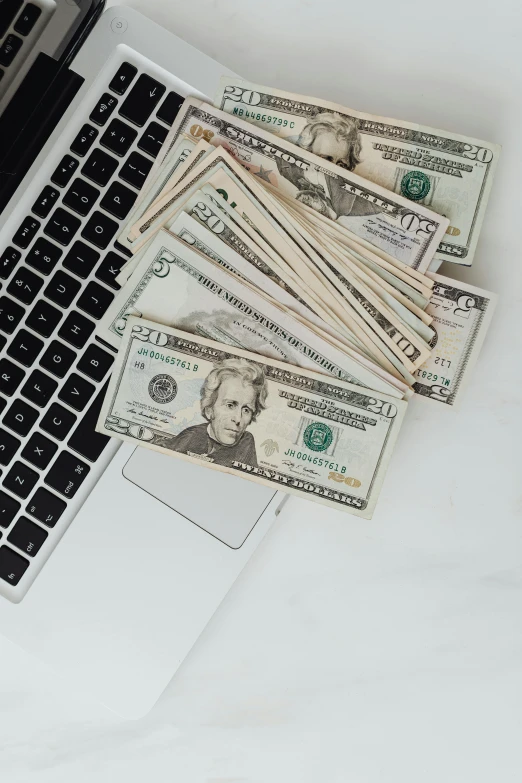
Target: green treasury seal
x=415, y=185
x=317, y=436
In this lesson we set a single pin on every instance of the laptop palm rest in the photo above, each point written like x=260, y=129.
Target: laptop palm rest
x=223, y=505
x=133, y=584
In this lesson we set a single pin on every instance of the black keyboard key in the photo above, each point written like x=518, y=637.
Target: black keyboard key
x=123, y=250
x=170, y=107
x=9, y=49
x=9, y=508
x=142, y=100
x=43, y=318
x=109, y=269
x=65, y=171
x=76, y=392
x=76, y=329
x=62, y=226
x=136, y=170
x=67, y=474
x=27, y=536
x=153, y=138
x=8, y=260
x=81, y=197
x=46, y=507
x=27, y=19
x=99, y=167
x=3, y=403
x=39, y=450
x=43, y=256
x=12, y=565
x=95, y=300
x=118, y=138
x=84, y=140
x=58, y=421
x=45, y=201
x=8, y=11
x=121, y=81
x=103, y=109
x=27, y=232
x=57, y=359
x=3, y=341
x=10, y=314
x=62, y=289
x=39, y=388
x=24, y=347
x=20, y=480
x=11, y=377
x=24, y=285
x=85, y=440
x=100, y=230
x=8, y=447
x=20, y=417
x=118, y=200
x=95, y=363
x=81, y=259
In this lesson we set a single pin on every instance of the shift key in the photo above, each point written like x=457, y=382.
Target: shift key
x=85, y=440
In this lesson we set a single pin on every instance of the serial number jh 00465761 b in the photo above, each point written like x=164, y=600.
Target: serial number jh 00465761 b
x=237, y=412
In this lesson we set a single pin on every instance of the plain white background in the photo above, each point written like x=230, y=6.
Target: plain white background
x=352, y=652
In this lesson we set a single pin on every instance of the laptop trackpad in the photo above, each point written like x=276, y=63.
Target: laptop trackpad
x=225, y=506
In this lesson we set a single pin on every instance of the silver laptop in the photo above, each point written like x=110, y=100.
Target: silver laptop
x=29, y=28
x=112, y=560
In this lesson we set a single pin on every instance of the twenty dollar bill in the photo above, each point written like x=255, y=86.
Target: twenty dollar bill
x=236, y=412
x=447, y=172
x=401, y=228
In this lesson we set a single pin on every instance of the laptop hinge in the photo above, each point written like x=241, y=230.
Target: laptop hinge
x=30, y=118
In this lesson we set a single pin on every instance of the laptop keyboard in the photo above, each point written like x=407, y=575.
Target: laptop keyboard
x=58, y=274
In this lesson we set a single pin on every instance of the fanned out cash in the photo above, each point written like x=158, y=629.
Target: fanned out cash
x=372, y=294
x=264, y=271
x=447, y=172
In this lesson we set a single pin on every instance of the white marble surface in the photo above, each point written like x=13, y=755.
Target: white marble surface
x=351, y=652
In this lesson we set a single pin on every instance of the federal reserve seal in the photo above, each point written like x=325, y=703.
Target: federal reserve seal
x=163, y=388
x=317, y=436
x=415, y=185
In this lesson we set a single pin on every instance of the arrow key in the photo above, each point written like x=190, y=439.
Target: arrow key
x=142, y=100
